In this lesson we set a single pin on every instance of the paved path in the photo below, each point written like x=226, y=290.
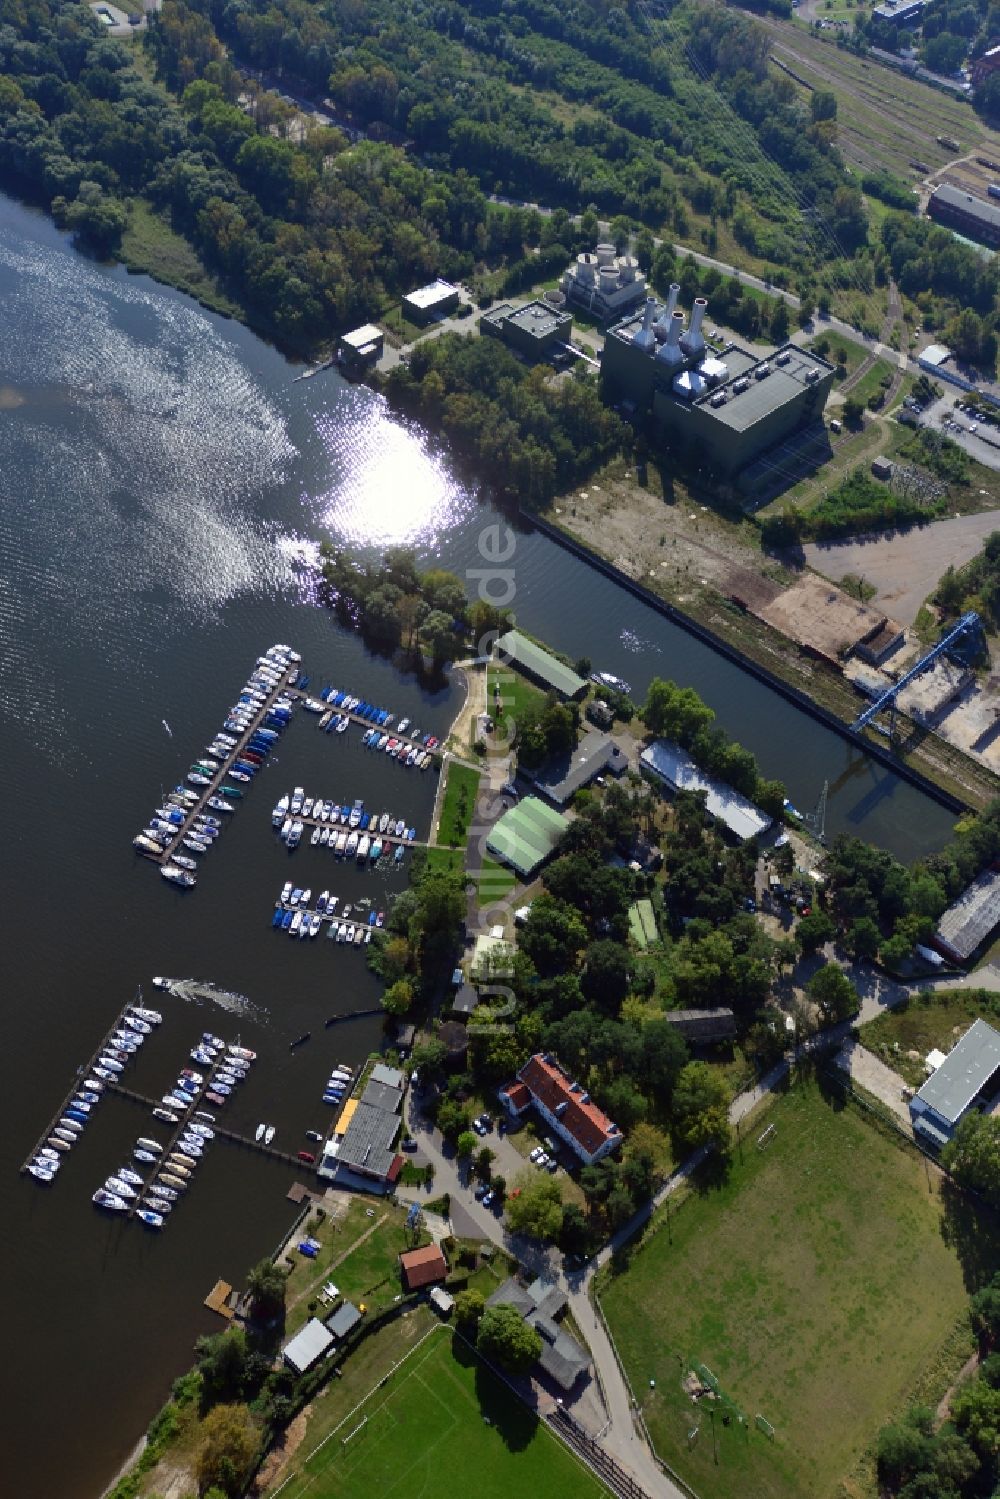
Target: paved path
x=864, y=1068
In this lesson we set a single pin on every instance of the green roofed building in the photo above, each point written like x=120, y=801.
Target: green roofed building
x=525, y=837
x=538, y=664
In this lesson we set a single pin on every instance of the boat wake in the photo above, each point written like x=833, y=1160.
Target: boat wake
x=197, y=992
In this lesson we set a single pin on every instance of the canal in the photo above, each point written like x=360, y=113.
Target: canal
x=162, y=477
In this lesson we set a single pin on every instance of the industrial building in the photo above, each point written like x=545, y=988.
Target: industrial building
x=526, y=836
x=721, y=404
x=433, y=300
x=361, y=348
x=970, y=920
x=675, y=768
x=605, y=284
x=974, y=217
x=968, y=1076
x=899, y=12
x=537, y=330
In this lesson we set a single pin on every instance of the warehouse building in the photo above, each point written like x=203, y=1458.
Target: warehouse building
x=361, y=348
x=431, y=301
x=515, y=649
x=968, y=1076
x=974, y=217
x=970, y=920
x=561, y=779
x=675, y=768
x=537, y=330
x=722, y=403
x=604, y=284
x=899, y=12
x=526, y=836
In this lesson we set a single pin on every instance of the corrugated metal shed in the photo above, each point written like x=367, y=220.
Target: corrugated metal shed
x=674, y=766
x=968, y=922
x=536, y=662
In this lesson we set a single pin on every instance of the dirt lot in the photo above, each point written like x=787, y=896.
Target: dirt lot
x=904, y=566
x=676, y=540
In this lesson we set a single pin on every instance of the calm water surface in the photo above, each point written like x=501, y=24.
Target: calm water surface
x=162, y=477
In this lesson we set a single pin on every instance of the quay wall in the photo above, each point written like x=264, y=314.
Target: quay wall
x=752, y=668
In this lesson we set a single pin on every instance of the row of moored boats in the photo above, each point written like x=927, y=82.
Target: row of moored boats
x=293, y=915
x=349, y=831
x=338, y=1084
x=336, y=709
x=181, y=828
x=135, y=1025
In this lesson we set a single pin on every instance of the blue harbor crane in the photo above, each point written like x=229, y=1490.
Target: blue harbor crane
x=970, y=626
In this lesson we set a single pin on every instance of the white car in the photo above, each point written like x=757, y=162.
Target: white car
x=543, y=1160
x=536, y=1154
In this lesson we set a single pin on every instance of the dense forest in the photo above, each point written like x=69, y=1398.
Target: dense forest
x=530, y=436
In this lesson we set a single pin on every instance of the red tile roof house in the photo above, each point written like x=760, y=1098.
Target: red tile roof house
x=422, y=1267
x=565, y=1106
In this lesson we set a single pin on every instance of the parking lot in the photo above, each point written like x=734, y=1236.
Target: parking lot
x=983, y=443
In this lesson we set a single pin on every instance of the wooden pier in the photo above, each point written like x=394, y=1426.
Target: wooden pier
x=221, y=1133
x=203, y=793
x=391, y=839
x=366, y=723
x=81, y=1073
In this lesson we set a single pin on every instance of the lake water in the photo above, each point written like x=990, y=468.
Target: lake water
x=162, y=475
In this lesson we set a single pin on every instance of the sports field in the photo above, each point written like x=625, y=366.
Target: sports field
x=814, y=1284
x=442, y=1426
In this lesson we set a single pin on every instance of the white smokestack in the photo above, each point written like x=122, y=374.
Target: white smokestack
x=644, y=338
x=663, y=326
x=693, y=341
x=671, y=352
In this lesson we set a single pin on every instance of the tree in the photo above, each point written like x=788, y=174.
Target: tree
x=438, y=635
x=505, y=1339
x=228, y=1449
x=701, y=1107
x=605, y=976
x=537, y=1209
x=452, y=1118
x=972, y=1155
x=469, y=1307
x=984, y=1312
x=677, y=712
x=465, y=1144
x=833, y=992
x=780, y=326
x=903, y=1450
x=428, y=1058
x=854, y=412
x=814, y=930
x=823, y=104
x=552, y=936
x=222, y=1364
x=649, y=1144
x=484, y=1160
x=975, y=1411
x=574, y=1236
x=266, y=1286
x=398, y=998
x=862, y=938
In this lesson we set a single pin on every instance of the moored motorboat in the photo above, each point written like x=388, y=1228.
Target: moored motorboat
x=57, y=1143
x=269, y=1134
x=130, y=1176
x=110, y=1200
x=165, y=1115
x=120, y=1188
x=145, y=1143
x=149, y=1218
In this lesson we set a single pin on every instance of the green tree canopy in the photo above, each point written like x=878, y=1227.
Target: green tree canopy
x=534, y=1206
x=506, y=1339
x=701, y=1107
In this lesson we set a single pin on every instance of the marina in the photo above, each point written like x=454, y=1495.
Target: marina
x=90, y=1073
x=272, y=1152
x=345, y=828
x=185, y=824
x=293, y=914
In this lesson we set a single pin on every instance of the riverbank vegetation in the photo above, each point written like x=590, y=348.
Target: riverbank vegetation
x=975, y=586
x=528, y=435
x=858, y=505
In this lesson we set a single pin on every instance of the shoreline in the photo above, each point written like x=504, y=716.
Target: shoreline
x=916, y=777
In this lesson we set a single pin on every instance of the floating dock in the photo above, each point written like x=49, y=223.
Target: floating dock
x=390, y=839
x=284, y=687
x=81, y=1073
x=221, y=1133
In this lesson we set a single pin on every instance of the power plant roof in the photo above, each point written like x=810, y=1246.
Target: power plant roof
x=763, y=395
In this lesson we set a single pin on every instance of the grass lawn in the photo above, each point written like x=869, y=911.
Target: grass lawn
x=458, y=805
x=442, y=1425
x=149, y=244
x=368, y=1271
x=924, y=1022
x=452, y=860
x=495, y=881
x=516, y=693
x=814, y=1283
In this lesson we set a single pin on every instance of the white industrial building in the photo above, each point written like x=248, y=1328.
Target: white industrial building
x=675, y=768
x=604, y=283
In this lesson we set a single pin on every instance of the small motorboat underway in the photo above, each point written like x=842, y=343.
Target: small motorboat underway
x=113, y=1201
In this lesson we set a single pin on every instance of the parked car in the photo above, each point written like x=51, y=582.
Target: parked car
x=409, y=1143
x=479, y=1126
x=486, y=1120
x=551, y=1165
x=543, y=1160
x=489, y=1198
x=481, y=1191
x=536, y=1154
